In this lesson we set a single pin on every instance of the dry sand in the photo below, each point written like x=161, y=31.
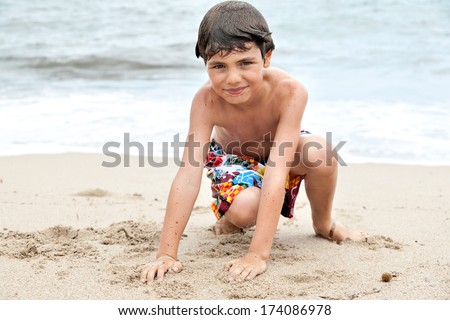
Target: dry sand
x=72, y=229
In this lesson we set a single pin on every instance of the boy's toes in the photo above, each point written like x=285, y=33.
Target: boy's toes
x=223, y=226
x=338, y=233
x=342, y=233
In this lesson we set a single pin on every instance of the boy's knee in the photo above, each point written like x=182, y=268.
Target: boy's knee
x=244, y=209
x=241, y=220
x=320, y=162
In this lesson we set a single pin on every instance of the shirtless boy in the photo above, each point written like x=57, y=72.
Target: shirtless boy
x=245, y=127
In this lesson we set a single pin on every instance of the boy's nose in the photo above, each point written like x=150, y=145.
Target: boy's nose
x=233, y=77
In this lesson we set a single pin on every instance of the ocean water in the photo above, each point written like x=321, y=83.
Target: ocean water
x=75, y=75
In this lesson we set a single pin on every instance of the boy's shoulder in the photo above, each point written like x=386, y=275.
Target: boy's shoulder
x=205, y=95
x=284, y=88
x=280, y=79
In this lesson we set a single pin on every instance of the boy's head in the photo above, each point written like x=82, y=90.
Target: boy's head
x=229, y=26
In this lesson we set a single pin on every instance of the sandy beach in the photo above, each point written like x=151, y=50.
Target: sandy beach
x=72, y=229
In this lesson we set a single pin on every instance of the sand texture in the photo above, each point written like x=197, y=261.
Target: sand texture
x=72, y=229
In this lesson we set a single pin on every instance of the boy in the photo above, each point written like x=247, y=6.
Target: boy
x=245, y=128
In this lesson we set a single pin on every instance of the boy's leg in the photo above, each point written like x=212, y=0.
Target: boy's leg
x=242, y=212
x=320, y=184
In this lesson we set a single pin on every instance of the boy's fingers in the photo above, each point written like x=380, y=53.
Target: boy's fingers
x=147, y=274
x=245, y=273
x=239, y=270
x=177, y=267
x=253, y=273
x=235, y=272
x=153, y=273
x=157, y=270
x=161, y=272
x=144, y=275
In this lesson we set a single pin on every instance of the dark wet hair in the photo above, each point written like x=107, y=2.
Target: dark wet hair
x=229, y=26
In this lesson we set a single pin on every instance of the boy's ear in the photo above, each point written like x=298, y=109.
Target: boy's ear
x=267, y=59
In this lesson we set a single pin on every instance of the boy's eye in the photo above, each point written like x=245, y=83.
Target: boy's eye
x=246, y=63
x=218, y=66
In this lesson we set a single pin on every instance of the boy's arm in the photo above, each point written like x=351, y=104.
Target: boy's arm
x=183, y=193
x=273, y=189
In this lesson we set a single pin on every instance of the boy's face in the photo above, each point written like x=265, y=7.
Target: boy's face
x=237, y=76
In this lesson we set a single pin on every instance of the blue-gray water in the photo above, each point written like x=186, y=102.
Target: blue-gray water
x=77, y=74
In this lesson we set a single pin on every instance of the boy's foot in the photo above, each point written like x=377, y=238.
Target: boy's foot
x=223, y=226
x=339, y=233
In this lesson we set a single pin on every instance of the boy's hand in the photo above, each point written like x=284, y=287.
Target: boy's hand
x=245, y=268
x=157, y=270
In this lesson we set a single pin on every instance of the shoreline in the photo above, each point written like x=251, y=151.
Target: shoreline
x=171, y=160
x=83, y=230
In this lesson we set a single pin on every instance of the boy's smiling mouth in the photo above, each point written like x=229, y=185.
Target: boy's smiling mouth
x=235, y=91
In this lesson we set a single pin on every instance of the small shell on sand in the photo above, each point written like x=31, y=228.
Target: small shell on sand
x=386, y=276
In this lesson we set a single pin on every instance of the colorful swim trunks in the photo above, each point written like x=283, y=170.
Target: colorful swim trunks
x=230, y=174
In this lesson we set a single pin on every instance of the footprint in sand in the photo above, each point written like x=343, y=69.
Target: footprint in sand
x=93, y=193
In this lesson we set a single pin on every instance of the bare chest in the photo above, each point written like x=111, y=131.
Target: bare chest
x=245, y=134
